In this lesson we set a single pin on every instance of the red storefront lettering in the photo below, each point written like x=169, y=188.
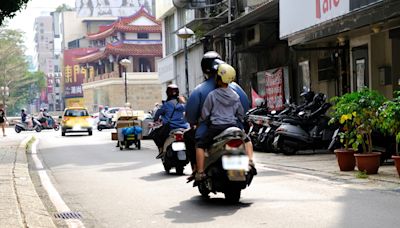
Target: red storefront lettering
x=327, y=5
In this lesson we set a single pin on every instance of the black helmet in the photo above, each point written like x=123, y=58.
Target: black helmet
x=210, y=62
x=308, y=96
x=172, y=90
x=319, y=98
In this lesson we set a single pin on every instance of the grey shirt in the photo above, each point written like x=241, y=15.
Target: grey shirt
x=222, y=106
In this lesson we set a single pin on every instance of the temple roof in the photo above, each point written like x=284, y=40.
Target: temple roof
x=127, y=24
x=122, y=49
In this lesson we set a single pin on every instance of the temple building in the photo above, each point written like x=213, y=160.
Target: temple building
x=136, y=40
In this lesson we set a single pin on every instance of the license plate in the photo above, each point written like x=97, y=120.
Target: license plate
x=181, y=155
x=77, y=128
x=178, y=146
x=236, y=175
x=236, y=162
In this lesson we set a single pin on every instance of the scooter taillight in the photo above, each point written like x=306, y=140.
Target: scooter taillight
x=178, y=137
x=234, y=143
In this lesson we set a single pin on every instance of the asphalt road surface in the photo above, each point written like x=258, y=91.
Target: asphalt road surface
x=113, y=188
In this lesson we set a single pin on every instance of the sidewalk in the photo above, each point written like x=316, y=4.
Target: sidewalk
x=20, y=205
x=325, y=166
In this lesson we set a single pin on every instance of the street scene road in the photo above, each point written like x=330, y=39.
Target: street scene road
x=113, y=188
x=288, y=111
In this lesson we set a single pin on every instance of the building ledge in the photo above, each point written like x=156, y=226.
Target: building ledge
x=133, y=78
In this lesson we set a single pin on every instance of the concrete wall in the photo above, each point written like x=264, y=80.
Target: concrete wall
x=380, y=55
x=73, y=28
x=144, y=90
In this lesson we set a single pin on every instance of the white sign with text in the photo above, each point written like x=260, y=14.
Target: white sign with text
x=301, y=14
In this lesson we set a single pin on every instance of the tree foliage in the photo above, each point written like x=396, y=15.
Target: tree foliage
x=14, y=71
x=8, y=8
x=64, y=7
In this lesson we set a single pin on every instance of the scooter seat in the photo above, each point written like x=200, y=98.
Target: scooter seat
x=230, y=132
x=293, y=121
x=177, y=130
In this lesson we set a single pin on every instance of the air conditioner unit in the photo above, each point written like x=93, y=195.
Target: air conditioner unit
x=253, y=35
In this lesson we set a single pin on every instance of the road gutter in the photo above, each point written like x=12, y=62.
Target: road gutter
x=52, y=192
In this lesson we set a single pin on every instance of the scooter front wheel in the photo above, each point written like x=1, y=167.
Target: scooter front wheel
x=38, y=129
x=56, y=128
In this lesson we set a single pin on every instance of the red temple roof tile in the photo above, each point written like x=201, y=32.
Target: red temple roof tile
x=123, y=24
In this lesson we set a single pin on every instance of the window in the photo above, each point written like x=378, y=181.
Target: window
x=144, y=65
x=41, y=31
x=143, y=36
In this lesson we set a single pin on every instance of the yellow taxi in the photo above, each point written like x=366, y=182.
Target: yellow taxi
x=76, y=119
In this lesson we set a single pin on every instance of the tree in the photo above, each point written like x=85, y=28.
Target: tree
x=64, y=7
x=8, y=8
x=14, y=70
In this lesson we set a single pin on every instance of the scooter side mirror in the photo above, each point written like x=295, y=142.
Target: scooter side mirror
x=273, y=112
x=301, y=113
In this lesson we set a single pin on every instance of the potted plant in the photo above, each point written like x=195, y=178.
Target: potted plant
x=367, y=120
x=389, y=116
x=357, y=114
x=344, y=111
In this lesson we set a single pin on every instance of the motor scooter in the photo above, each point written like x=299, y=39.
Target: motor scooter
x=54, y=124
x=307, y=131
x=105, y=124
x=20, y=126
x=226, y=166
x=174, y=152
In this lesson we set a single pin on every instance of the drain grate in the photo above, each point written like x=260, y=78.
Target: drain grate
x=68, y=215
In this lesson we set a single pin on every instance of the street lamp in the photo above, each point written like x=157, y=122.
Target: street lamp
x=185, y=33
x=5, y=92
x=125, y=63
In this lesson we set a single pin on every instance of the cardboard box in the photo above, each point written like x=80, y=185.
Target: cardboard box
x=114, y=136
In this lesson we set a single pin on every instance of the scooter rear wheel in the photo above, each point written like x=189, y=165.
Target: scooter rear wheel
x=233, y=195
x=17, y=129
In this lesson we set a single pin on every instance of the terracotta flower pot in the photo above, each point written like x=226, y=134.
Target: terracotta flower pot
x=397, y=163
x=345, y=158
x=368, y=162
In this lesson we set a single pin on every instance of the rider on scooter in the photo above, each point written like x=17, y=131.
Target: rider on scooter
x=24, y=118
x=171, y=112
x=222, y=109
x=209, y=66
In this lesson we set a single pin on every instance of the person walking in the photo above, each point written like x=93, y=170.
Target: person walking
x=3, y=120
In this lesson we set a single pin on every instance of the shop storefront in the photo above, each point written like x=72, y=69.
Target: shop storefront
x=343, y=45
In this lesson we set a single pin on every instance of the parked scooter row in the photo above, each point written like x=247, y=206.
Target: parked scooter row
x=297, y=127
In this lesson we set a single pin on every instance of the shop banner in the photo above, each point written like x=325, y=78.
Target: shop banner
x=50, y=83
x=74, y=102
x=74, y=73
x=274, y=89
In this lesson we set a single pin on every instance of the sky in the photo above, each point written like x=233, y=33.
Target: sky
x=26, y=18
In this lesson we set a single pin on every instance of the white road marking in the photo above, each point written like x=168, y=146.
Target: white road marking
x=54, y=196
